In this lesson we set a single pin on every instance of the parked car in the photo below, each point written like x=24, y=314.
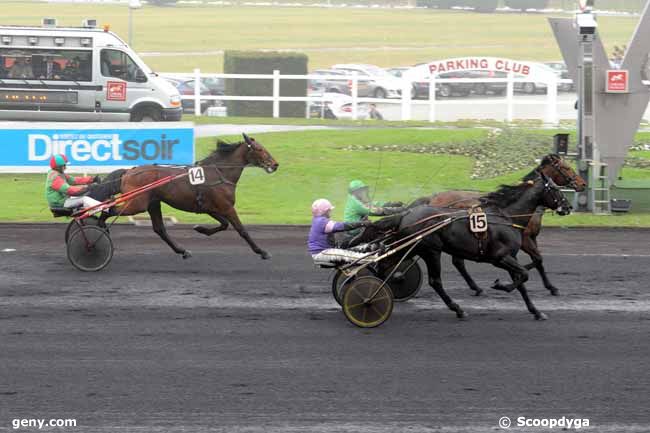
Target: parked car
x=332, y=85
x=186, y=88
x=488, y=87
x=563, y=73
x=529, y=87
x=337, y=106
x=217, y=86
x=381, y=83
x=450, y=88
x=420, y=89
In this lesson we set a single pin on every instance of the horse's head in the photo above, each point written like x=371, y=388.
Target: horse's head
x=561, y=173
x=553, y=198
x=258, y=156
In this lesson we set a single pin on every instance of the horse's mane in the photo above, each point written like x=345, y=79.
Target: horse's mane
x=547, y=160
x=505, y=195
x=223, y=149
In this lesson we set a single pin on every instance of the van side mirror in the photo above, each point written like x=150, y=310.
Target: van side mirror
x=140, y=77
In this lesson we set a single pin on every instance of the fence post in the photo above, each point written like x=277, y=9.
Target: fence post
x=197, y=92
x=551, y=100
x=510, y=94
x=406, y=99
x=276, y=93
x=432, y=98
x=355, y=95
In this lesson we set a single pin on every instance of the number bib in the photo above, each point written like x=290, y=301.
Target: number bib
x=478, y=222
x=196, y=175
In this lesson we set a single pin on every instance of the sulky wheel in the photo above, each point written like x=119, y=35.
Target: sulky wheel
x=90, y=249
x=76, y=224
x=367, y=302
x=406, y=281
x=340, y=280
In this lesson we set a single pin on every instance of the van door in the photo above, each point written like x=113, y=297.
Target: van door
x=123, y=83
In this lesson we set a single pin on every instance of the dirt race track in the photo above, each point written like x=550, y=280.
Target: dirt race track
x=228, y=342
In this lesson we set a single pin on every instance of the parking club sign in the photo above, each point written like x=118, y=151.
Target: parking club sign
x=617, y=81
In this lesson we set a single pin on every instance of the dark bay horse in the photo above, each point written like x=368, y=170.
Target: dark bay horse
x=216, y=197
x=551, y=166
x=501, y=244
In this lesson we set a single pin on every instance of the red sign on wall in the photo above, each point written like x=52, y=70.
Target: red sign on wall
x=116, y=91
x=617, y=81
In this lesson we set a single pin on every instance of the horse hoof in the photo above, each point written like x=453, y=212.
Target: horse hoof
x=478, y=292
x=186, y=254
x=461, y=315
x=554, y=291
x=199, y=229
x=541, y=316
x=265, y=255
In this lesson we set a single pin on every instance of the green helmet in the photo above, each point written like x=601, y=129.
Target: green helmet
x=356, y=185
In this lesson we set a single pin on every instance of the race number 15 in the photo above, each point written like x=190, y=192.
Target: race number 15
x=197, y=177
x=478, y=222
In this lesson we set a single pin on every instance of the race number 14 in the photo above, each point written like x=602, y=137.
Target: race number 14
x=197, y=176
x=478, y=222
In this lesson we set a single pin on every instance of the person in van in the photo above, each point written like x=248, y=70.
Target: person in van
x=21, y=69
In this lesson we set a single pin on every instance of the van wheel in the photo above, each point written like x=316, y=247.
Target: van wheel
x=380, y=93
x=147, y=115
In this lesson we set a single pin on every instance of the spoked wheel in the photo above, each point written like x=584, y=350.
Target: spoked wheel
x=90, y=249
x=367, y=302
x=406, y=281
x=341, y=280
x=76, y=224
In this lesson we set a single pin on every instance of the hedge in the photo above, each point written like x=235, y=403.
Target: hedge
x=256, y=62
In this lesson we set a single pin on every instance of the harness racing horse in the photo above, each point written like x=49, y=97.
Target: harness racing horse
x=551, y=166
x=216, y=197
x=508, y=210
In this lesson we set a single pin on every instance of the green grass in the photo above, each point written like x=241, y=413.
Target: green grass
x=316, y=164
x=327, y=36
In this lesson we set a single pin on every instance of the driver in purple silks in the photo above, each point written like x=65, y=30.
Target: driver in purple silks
x=320, y=244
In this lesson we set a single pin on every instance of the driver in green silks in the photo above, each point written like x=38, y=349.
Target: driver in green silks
x=359, y=207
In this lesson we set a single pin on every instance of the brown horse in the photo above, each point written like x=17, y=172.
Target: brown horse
x=551, y=166
x=216, y=197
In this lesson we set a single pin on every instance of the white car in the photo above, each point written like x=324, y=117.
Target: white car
x=337, y=106
x=384, y=85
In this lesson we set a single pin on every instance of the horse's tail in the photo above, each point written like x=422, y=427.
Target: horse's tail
x=109, y=186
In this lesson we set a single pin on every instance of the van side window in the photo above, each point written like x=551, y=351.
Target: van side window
x=46, y=64
x=118, y=64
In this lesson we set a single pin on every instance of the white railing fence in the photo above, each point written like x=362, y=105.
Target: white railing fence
x=406, y=101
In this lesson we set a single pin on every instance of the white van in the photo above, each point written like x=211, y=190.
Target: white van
x=53, y=73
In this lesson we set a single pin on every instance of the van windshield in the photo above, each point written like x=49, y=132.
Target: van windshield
x=45, y=64
x=118, y=64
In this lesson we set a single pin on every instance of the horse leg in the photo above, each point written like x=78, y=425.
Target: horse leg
x=529, y=246
x=519, y=276
x=518, y=273
x=529, y=304
x=223, y=225
x=432, y=260
x=233, y=218
x=460, y=266
x=158, y=225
